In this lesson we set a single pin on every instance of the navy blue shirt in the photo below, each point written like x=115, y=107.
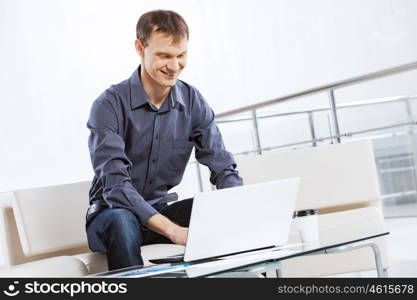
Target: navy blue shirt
x=139, y=152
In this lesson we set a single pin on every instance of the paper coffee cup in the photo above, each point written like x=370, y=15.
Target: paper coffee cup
x=306, y=222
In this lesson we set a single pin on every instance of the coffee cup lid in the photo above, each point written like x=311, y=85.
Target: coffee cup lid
x=303, y=213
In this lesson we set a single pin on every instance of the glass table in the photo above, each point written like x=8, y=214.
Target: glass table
x=253, y=263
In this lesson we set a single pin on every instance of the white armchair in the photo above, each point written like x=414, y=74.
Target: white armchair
x=340, y=181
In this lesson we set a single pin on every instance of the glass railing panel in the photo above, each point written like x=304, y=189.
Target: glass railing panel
x=396, y=158
x=355, y=120
x=279, y=131
x=238, y=136
x=394, y=85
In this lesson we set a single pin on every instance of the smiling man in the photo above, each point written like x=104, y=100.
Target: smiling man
x=142, y=132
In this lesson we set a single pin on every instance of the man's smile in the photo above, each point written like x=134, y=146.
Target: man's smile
x=169, y=75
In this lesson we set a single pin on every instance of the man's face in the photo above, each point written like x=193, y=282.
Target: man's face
x=162, y=58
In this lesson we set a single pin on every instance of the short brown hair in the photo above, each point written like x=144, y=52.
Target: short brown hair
x=166, y=21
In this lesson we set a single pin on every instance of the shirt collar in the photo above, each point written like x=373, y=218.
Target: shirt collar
x=138, y=96
x=176, y=95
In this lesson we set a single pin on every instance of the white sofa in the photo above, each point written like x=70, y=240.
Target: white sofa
x=44, y=236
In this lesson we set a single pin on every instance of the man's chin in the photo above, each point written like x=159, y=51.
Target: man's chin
x=168, y=83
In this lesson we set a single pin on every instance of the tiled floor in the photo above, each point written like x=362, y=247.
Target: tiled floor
x=402, y=246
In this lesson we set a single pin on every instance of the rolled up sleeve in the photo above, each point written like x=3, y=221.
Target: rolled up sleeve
x=110, y=163
x=209, y=146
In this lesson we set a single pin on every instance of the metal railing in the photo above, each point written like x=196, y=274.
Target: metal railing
x=324, y=88
x=314, y=140
x=335, y=134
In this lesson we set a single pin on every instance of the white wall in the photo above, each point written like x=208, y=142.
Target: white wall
x=56, y=57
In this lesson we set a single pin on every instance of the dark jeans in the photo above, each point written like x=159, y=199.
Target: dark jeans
x=118, y=233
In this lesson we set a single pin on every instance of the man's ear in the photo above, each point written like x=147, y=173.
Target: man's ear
x=140, y=49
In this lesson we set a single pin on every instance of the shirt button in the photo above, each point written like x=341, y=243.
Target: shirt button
x=157, y=136
x=154, y=160
x=150, y=181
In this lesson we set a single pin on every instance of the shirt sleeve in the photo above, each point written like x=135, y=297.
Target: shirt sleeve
x=110, y=163
x=209, y=147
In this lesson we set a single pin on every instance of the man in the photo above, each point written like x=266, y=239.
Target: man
x=142, y=133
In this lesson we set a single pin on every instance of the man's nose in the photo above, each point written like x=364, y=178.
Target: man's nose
x=173, y=65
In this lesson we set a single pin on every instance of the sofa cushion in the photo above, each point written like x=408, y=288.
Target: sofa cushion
x=61, y=266
x=96, y=262
x=52, y=218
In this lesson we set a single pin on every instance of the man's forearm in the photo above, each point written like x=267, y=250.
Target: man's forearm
x=160, y=224
x=167, y=228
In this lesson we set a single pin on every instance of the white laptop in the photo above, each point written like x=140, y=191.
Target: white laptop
x=239, y=219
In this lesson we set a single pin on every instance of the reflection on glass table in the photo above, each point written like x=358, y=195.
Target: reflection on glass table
x=253, y=263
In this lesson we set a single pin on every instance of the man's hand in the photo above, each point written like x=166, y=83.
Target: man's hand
x=162, y=225
x=178, y=235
